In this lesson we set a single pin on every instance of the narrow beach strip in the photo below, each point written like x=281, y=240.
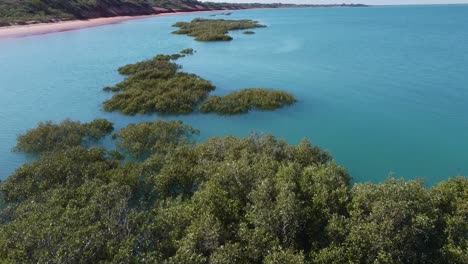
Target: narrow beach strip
x=47, y=28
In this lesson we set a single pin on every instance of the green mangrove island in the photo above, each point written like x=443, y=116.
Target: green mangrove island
x=227, y=200
x=158, y=86
x=213, y=29
x=245, y=100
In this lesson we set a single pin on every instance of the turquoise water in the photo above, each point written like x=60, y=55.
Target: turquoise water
x=385, y=89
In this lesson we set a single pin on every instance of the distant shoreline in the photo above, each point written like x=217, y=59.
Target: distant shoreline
x=19, y=31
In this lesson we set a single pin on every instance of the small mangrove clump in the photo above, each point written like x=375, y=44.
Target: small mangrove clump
x=245, y=100
x=48, y=136
x=157, y=85
x=149, y=138
x=248, y=32
x=213, y=29
x=187, y=51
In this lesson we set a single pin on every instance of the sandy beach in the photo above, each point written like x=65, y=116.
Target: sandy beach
x=47, y=28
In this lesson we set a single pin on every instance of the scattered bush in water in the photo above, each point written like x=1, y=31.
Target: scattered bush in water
x=187, y=51
x=248, y=32
x=48, y=136
x=227, y=200
x=156, y=85
x=213, y=29
x=245, y=100
x=143, y=139
x=160, y=63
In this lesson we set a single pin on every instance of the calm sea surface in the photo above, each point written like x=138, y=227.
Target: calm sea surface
x=384, y=89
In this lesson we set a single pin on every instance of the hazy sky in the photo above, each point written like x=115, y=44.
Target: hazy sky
x=369, y=2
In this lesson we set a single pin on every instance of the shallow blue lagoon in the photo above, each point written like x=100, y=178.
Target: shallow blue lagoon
x=384, y=89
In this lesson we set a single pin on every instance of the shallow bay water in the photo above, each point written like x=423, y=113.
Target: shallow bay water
x=383, y=89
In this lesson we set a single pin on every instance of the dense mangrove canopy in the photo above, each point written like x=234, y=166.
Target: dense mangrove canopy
x=213, y=29
x=48, y=136
x=227, y=200
x=245, y=100
x=157, y=85
x=142, y=139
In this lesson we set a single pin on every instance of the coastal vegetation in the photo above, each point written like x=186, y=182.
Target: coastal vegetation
x=14, y=12
x=34, y=11
x=48, y=136
x=248, y=32
x=233, y=6
x=213, y=29
x=157, y=86
x=142, y=139
x=227, y=200
x=245, y=100
x=222, y=14
x=187, y=51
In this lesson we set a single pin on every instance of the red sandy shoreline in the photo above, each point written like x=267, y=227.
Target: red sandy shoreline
x=46, y=28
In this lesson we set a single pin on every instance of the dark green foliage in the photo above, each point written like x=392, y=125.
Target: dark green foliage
x=213, y=29
x=49, y=136
x=394, y=222
x=160, y=63
x=187, y=51
x=227, y=200
x=143, y=139
x=248, y=32
x=245, y=100
x=452, y=199
x=98, y=128
x=155, y=85
x=65, y=168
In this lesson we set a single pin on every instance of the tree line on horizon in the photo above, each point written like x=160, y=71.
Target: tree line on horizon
x=13, y=12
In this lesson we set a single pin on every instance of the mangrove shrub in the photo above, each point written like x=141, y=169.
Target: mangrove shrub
x=213, y=29
x=227, y=200
x=48, y=136
x=245, y=100
x=147, y=138
x=157, y=86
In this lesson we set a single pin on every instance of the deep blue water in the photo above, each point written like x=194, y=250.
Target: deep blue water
x=384, y=89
